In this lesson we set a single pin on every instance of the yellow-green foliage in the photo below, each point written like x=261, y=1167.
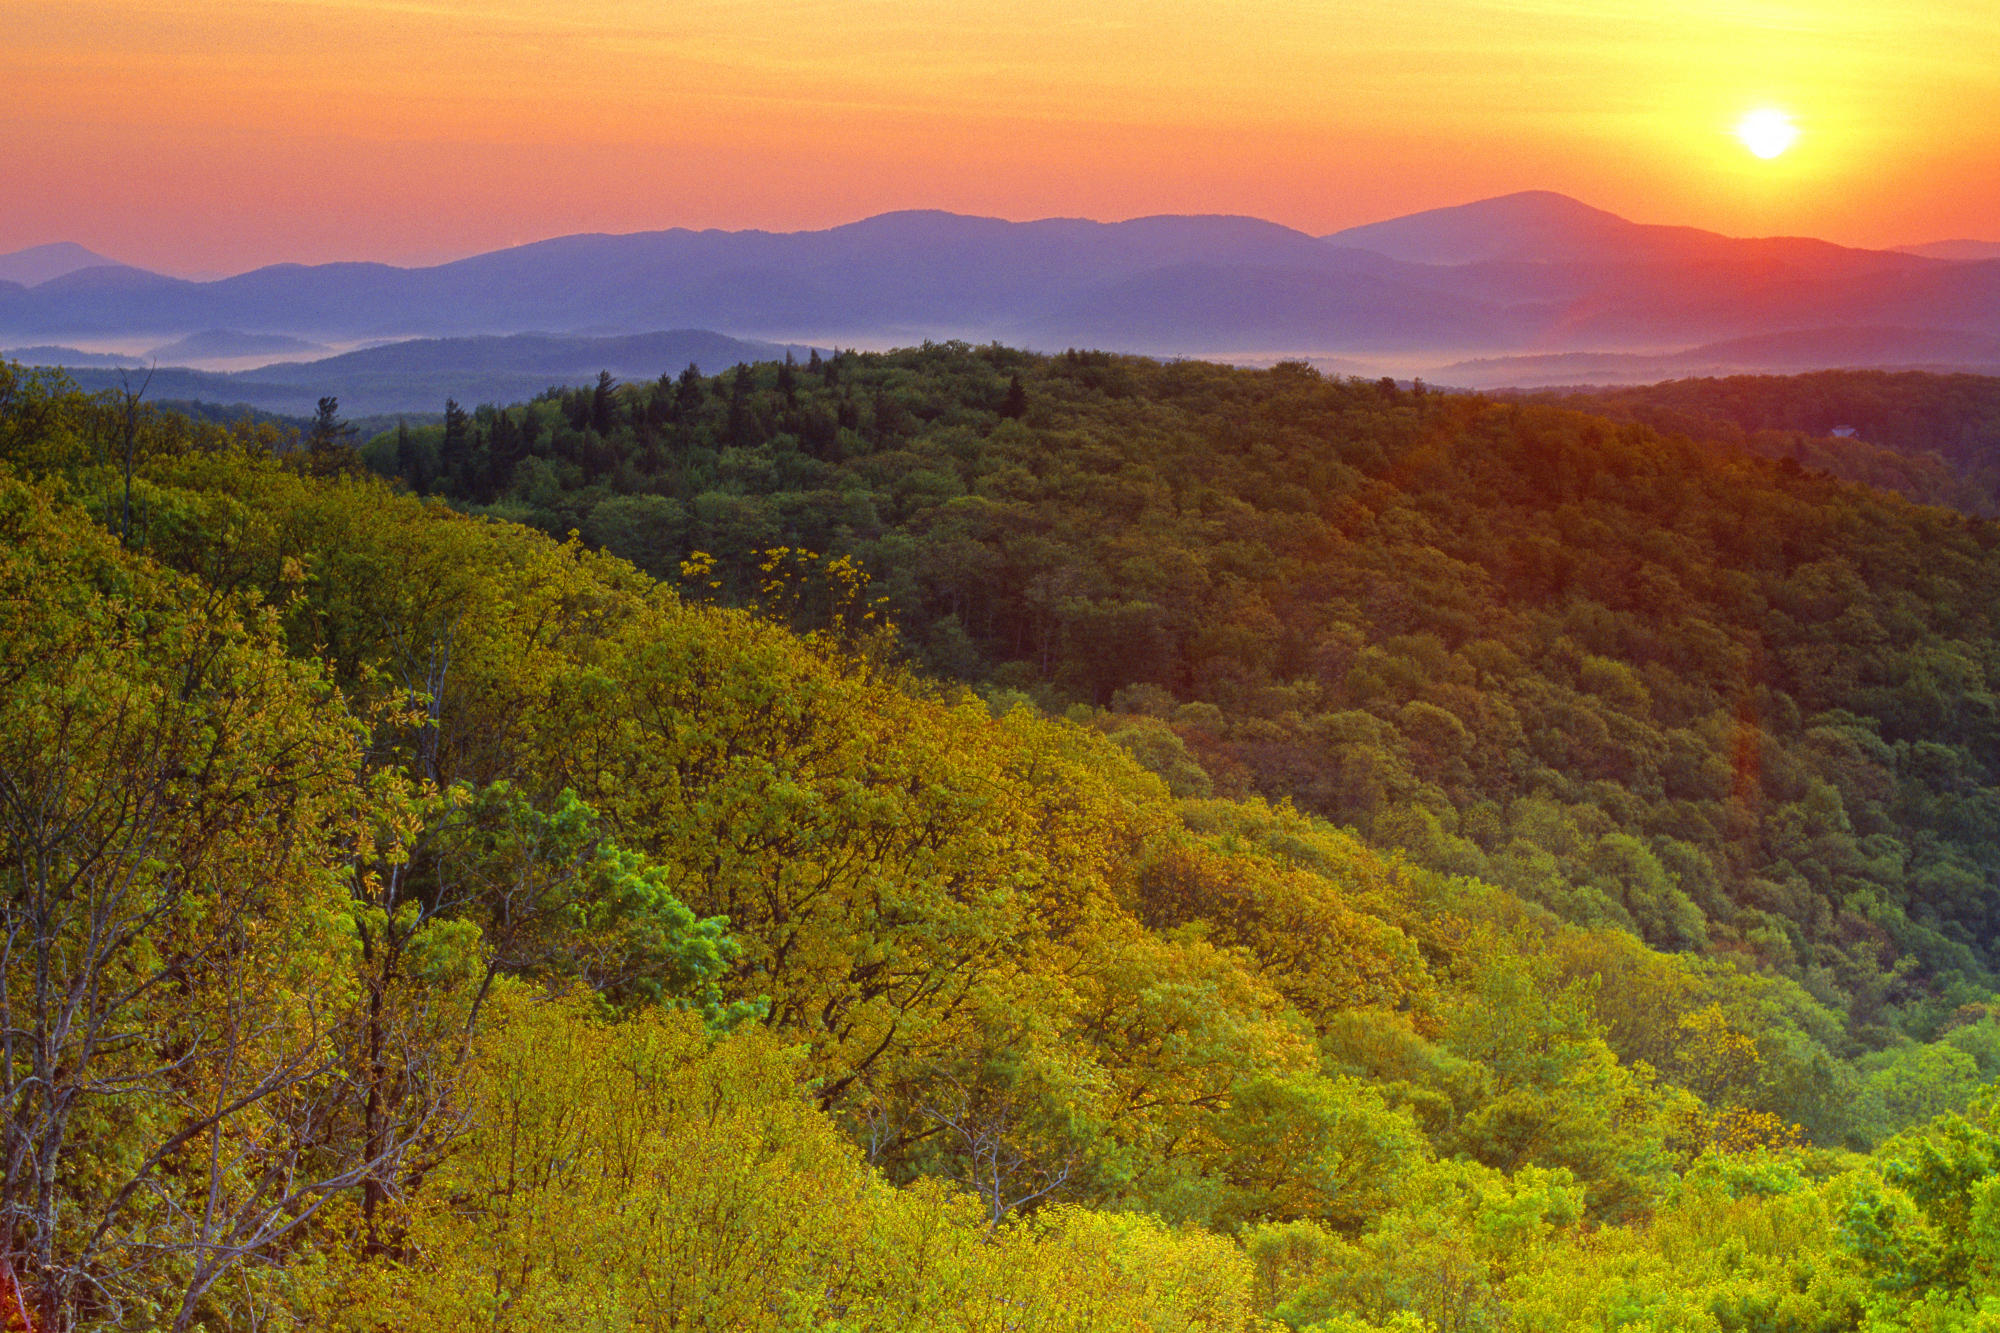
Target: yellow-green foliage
x=177, y=949
x=635, y=1175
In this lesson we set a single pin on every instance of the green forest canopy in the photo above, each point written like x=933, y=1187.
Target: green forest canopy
x=469, y=931
x=1932, y=437
x=1731, y=705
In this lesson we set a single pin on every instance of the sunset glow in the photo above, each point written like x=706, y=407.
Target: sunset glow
x=213, y=136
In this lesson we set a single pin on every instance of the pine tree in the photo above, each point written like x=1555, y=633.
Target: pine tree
x=603, y=406
x=742, y=418
x=688, y=400
x=788, y=381
x=329, y=444
x=660, y=402
x=455, y=455
x=1016, y=405
x=504, y=451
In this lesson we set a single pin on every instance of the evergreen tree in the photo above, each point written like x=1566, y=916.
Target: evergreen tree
x=603, y=406
x=330, y=442
x=455, y=455
x=504, y=451
x=1016, y=405
x=687, y=401
x=742, y=415
x=788, y=381
x=660, y=403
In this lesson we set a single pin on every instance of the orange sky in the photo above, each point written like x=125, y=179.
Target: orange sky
x=204, y=136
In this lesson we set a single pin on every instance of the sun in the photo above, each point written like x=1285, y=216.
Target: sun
x=1767, y=132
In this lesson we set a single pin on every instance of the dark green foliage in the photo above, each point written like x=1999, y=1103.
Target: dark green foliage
x=455, y=450
x=1935, y=438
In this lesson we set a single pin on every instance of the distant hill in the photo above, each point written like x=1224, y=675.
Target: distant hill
x=219, y=344
x=418, y=375
x=1788, y=352
x=72, y=357
x=645, y=355
x=1959, y=251
x=1953, y=420
x=1537, y=227
x=1531, y=274
x=226, y=413
x=1534, y=226
x=39, y=263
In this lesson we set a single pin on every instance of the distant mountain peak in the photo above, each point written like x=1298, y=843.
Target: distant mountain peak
x=1530, y=225
x=1536, y=203
x=40, y=263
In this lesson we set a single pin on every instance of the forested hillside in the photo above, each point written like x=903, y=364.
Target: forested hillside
x=1935, y=438
x=1729, y=704
x=420, y=921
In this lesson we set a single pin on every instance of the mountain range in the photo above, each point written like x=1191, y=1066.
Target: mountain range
x=1463, y=291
